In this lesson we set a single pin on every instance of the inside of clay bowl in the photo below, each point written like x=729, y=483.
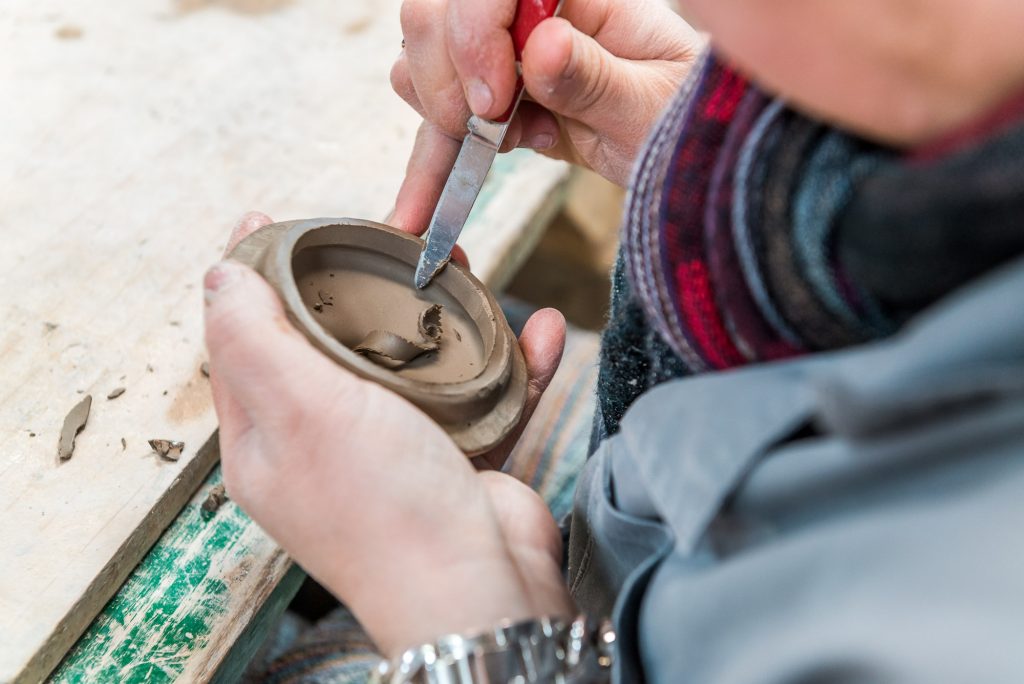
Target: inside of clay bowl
x=356, y=283
x=347, y=285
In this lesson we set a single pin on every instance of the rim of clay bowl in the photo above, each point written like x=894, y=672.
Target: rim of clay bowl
x=378, y=238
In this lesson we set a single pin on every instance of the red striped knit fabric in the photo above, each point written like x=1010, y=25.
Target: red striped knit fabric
x=683, y=217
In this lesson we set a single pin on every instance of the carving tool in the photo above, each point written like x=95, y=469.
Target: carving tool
x=479, y=148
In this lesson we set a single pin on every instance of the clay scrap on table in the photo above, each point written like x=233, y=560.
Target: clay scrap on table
x=218, y=496
x=73, y=424
x=393, y=351
x=115, y=393
x=167, y=449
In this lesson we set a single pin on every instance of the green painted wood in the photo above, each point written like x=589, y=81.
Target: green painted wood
x=168, y=608
x=259, y=629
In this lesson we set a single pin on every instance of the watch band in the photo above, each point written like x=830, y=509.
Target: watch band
x=541, y=650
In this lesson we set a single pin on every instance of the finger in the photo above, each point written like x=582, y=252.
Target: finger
x=538, y=128
x=639, y=31
x=542, y=342
x=430, y=68
x=526, y=522
x=534, y=540
x=481, y=50
x=513, y=134
x=401, y=83
x=433, y=156
x=260, y=360
x=234, y=421
x=246, y=226
x=459, y=256
x=570, y=74
x=532, y=127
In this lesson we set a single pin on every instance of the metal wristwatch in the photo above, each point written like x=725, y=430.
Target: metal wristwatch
x=547, y=650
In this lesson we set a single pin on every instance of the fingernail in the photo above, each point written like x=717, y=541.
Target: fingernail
x=480, y=97
x=219, y=278
x=541, y=141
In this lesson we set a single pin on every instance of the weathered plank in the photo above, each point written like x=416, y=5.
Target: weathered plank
x=135, y=133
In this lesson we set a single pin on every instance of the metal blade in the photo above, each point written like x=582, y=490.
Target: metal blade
x=460, y=193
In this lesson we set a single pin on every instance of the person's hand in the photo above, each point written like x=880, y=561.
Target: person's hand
x=597, y=77
x=367, y=493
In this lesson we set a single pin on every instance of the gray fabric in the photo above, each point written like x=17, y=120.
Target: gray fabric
x=855, y=517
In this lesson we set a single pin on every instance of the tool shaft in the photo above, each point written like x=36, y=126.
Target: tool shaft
x=479, y=148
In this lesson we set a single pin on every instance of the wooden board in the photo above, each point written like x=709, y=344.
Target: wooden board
x=134, y=134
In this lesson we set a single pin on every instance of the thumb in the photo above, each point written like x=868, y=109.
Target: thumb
x=571, y=74
x=542, y=342
x=260, y=362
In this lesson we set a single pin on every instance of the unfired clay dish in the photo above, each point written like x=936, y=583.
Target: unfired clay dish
x=347, y=285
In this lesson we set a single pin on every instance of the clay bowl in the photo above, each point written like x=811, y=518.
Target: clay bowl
x=342, y=279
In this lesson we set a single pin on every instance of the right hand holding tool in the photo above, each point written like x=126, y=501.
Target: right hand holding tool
x=598, y=77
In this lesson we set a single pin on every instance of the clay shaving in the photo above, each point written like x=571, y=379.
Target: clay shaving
x=73, y=424
x=218, y=496
x=115, y=393
x=166, y=449
x=325, y=300
x=393, y=351
x=205, y=369
x=430, y=323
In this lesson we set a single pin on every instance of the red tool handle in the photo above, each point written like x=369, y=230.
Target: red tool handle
x=529, y=13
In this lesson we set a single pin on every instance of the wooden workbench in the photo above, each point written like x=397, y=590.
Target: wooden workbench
x=133, y=134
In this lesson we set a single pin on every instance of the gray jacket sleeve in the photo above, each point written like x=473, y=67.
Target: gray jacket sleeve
x=856, y=518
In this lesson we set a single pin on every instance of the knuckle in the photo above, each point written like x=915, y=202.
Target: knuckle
x=418, y=17
x=401, y=81
x=443, y=122
x=596, y=88
x=451, y=112
x=453, y=125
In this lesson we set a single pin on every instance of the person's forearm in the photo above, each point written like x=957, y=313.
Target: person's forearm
x=903, y=72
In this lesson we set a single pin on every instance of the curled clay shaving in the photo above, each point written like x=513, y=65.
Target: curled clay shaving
x=167, y=449
x=394, y=351
x=430, y=323
x=73, y=424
